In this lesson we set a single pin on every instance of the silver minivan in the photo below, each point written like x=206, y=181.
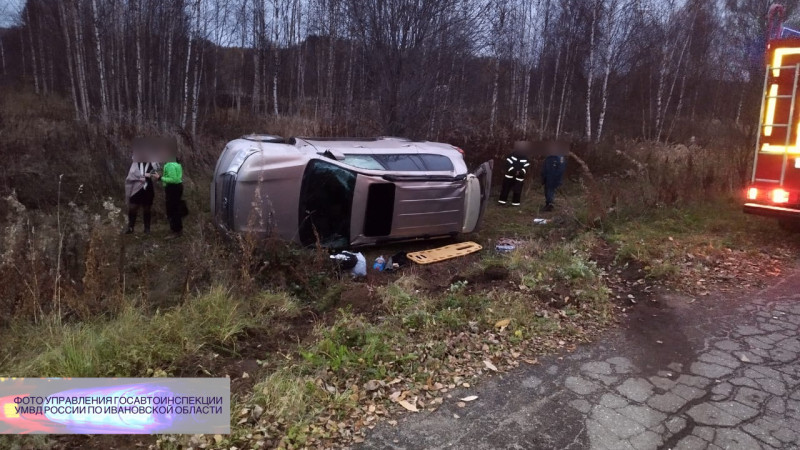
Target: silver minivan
x=347, y=192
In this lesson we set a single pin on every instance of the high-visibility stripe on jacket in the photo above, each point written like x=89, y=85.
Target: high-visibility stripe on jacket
x=516, y=167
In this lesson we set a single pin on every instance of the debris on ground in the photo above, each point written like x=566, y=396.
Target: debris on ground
x=356, y=263
x=504, y=245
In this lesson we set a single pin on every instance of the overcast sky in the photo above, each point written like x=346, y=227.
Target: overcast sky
x=8, y=11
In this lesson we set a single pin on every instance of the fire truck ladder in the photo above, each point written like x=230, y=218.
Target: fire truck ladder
x=788, y=126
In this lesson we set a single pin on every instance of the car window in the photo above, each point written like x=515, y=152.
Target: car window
x=437, y=162
x=363, y=162
x=400, y=162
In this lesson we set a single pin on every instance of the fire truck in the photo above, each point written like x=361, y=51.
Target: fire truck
x=774, y=188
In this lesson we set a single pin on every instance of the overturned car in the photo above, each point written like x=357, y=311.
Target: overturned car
x=347, y=192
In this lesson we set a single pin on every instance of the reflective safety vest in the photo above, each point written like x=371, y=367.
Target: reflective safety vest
x=516, y=167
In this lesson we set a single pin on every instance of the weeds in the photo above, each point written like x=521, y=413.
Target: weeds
x=135, y=343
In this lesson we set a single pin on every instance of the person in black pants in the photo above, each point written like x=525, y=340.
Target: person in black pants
x=552, y=173
x=514, y=176
x=173, y=193
x=140, y=192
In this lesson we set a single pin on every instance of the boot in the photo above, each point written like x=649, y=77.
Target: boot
x=131, y=223
x=146, y=217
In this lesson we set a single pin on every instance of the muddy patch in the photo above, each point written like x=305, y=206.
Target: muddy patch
x=657, y=326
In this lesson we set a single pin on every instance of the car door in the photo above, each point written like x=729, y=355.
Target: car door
x=476, y=198
x=325, y=205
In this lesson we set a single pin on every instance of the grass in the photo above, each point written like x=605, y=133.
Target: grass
x=661, y=238
x=135, y=343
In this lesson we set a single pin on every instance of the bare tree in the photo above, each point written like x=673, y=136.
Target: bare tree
x=3, y=56
x=70, y=63
x=100, y=64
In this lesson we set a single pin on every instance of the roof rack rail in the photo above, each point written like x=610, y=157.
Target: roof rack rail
x=264, y=138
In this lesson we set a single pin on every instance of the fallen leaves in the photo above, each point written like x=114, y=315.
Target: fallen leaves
x=469, y=398
x=502, y=324
x=408, y=406
x=373, y=385
x=489, y=365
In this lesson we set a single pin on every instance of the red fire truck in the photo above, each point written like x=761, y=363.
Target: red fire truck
x=774, y=188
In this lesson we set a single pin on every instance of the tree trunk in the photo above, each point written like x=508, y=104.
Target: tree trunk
x=186, y=74
x=42, y=60
x=198, y=63
x=3, y=56
x=677, y=108
x=301, y=78
x=525, y=100
x=590, y=76
x=22, y=55
x=79, y=48
x=33, y=50
x=198, y=75
x=672, y=85
x=349, y=88
x=604, y=105
x=276, y=61
x=100, y=64
x=139, y=68
x=168, y=78
x=68, y=43
x=552, y=91
x=495, y=87
x=258, y=23
x=125, y=76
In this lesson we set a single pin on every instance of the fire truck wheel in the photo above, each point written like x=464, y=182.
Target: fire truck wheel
x=791, y=225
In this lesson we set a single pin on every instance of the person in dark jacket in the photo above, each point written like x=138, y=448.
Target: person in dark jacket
x=172, y=178
x=552, y=173
x=513, y=177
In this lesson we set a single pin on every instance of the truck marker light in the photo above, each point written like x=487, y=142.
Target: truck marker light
x=780, y=196
x=797, y=163
x=752, y=193
x=773, y=92
x=778, y=58
x=780, y=149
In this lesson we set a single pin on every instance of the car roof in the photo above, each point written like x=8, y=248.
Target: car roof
x=317, y=146
x=372, y=145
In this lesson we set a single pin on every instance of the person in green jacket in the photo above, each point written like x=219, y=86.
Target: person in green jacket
x=172, y=178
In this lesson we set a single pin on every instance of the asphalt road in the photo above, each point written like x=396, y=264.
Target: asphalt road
x=679, y=373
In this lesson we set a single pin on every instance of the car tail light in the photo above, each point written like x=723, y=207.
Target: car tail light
x=459, y=150
x=752, y=193
x=780, y=196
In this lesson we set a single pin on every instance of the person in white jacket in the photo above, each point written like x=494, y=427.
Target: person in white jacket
x=140, y=192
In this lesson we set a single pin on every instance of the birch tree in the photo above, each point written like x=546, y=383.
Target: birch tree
x=100, y=64
x=187, y=75
x=68, y=43
x=3, y=57
x=80, y=59
x=618, y=25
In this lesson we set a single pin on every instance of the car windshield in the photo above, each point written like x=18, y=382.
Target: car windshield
x=400, y=162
